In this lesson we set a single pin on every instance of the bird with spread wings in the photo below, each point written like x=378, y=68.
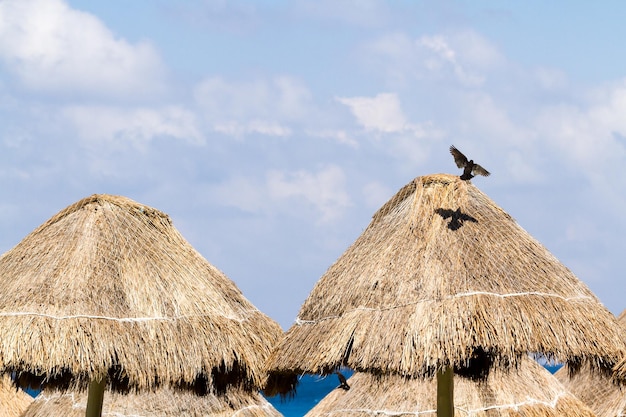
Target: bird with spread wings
x=470, y=169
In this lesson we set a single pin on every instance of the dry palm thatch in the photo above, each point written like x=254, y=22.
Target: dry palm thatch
x=444, y=277
x=620, y=368
x=162, y=403
x=599, y=392
x=109, y=289
x=13, y=401
x=528, y=391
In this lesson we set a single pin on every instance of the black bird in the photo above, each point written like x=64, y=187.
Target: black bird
x=343, y=384
x=470, y=169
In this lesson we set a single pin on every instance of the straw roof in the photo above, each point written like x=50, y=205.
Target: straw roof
x=620, y=368
x=600, y=393
x=529, y=391
x=13, y=401
x=442, y=276
x=109, y=288
x=163, y=403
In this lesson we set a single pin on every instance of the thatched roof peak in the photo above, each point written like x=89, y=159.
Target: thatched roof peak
x=456, y=191
x=100, y=200
x=443, y=274
x=108, y=286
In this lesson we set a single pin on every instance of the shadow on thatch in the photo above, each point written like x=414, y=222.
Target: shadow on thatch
x=457, y=217
x=284, y=384
x=63, y=379
x=477, y=367
x=219, y=382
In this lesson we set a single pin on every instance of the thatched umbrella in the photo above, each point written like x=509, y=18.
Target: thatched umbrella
x=600, y=393
x=528, y=391
x=442, y=279
x=13, y=401
x=107, y=292
x=620, y=368
x=162, y=403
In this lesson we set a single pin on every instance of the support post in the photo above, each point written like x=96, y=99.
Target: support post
x=95, y=398
x=445, y=392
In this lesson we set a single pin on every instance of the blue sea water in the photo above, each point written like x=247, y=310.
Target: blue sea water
x=312, y=388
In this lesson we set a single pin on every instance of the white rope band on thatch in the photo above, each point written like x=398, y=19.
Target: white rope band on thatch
x=523, y=294
x=120, y=319
x=300, y=322
x=43, y=396
x=380, y=412
x=529, y=402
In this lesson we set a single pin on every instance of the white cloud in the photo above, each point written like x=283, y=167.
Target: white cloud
x=340, y=136
x=323, y=190
x=465, y=57
x=135, y=126
x=476, y=52
x=50, y=47
x=520, y=168
x=220, y=98
x=540, y=139
x=382, y=112
x=551, y=79
x=483, y=114
x=589, y=135
x=262, y=127
x=394, y=56
x=257, y=106
x=289, y=192
x=442, y=56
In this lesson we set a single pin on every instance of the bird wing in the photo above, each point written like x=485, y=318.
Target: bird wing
x=480, y=171
x=342, y=379
x=459, y=159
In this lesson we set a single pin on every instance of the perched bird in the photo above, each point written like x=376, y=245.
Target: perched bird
x=342, y=381
x=470, y=169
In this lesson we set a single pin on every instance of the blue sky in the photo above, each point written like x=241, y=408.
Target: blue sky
x=271, y=131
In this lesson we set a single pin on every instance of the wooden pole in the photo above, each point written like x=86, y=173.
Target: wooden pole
x=95, y=398
x=445, y=392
